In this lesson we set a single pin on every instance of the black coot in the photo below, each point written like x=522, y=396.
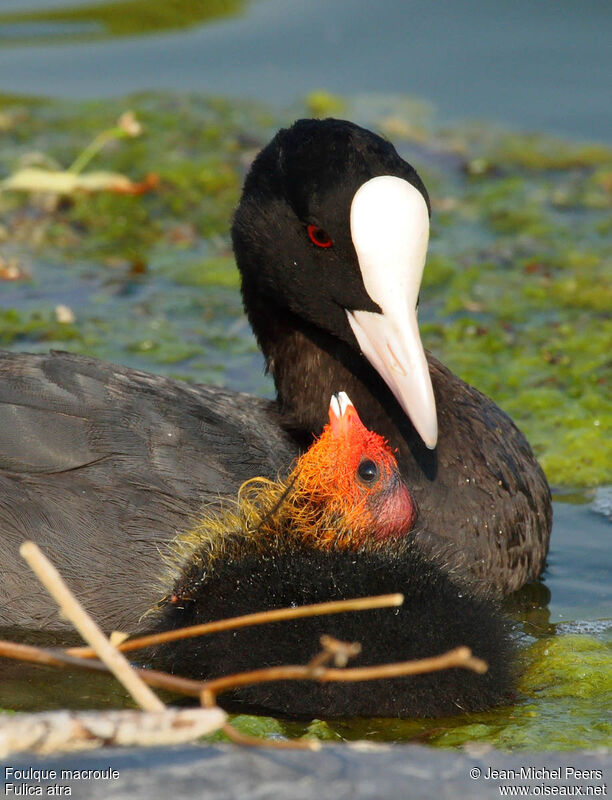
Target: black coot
x=100, y=464
x=330, y=237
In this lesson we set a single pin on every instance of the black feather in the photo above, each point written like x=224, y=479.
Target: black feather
x=438, y=614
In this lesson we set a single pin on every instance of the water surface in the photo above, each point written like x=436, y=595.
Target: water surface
x=539, y=66
x=514, y=300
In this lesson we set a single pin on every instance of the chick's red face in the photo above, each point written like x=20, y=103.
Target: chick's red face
x=352, y=473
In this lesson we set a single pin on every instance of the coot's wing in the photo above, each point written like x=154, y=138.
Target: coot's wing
x=103, y=465
x=487, y=499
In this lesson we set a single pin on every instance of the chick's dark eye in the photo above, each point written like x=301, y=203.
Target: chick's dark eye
x=318, y=236
x=368, y=471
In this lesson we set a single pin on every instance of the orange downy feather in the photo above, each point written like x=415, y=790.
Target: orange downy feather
x=322, y=503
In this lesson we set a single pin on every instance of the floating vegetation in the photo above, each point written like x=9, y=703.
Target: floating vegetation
x=516, y=291
x=103, y=20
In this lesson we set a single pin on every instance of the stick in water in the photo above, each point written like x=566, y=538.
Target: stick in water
x=89, y=630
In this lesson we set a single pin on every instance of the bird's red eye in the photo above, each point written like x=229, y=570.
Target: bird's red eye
x=319, y=237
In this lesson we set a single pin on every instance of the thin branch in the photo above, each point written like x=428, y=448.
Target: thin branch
x=57, y=658
x=335, y=650
x=51, y=658
x=459, y=657
x=89, y=630
x=259, y=618
x=279, y=744
x=207, y=690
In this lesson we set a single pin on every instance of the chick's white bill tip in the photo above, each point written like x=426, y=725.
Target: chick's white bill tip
x=339, y=404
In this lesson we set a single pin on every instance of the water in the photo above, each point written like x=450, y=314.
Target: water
x=541, y=66
x=578, y=573
x=147, y=301
x=566, y=633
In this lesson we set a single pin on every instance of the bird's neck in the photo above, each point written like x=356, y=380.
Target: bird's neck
x=308, y=365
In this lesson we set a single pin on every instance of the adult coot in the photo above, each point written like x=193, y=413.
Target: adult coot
x=100, y=463
x=330, y=237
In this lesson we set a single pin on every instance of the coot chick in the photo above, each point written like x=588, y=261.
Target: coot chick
x=340, y=527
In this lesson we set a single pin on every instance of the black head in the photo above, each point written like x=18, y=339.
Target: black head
x=331, y=237
x=291, y=231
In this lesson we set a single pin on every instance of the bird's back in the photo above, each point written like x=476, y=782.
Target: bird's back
x=103, y=465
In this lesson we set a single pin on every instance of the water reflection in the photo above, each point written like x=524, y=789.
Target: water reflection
x=105, y=20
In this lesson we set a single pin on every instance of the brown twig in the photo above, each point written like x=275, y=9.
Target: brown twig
x=89, y=630
x=459, y=657
x=259, y=618
x=207, y=690
x=58, y=658
x=333, y=650
x=280, y=744
x=51, y=658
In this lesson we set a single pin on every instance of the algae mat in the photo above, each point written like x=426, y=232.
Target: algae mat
x=515, y=300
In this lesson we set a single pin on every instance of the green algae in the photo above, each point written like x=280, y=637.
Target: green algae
x=216, y=271
x=515, y=294
x=320, y=103
x=571, y=665
x=121, y=18
x=536, y=151
x=249, y=725
x=39, y=326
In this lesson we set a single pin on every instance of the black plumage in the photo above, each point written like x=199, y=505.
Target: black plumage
x=438, y=614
